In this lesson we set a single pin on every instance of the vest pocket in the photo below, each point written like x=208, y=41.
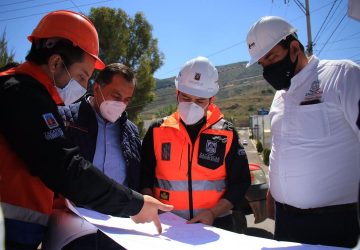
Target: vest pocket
x=211, y=150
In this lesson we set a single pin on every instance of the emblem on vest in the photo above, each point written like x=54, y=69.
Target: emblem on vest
x=211, y=150
x=164, y=195
x=55, y=131
x=165, y=151
x=50, y=120
x=211, y=147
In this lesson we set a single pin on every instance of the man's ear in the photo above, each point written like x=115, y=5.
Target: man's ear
x=294, y=50
x=55, y=63
x=212, y=99
x=177, y=96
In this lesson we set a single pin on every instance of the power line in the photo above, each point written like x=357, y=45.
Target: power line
x=209, y=56
x=340, y=40
x=358, y=54
x=320, y=30
x=42, y=13
x=8, y=4
x=337, y=26
x=301, y=6
x=331, y=20
x=312, y=12
x=33, y=6
x=222, y=50
x=77, y=7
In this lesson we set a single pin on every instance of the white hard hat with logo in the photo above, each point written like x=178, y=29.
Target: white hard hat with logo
x=265, y=34
x=198, y=77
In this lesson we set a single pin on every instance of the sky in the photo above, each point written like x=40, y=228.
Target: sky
x=185, y=29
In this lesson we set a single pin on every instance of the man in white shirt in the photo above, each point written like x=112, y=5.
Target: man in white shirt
x=315, y=156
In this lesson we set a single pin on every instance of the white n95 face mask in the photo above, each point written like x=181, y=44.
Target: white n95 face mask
x=190, y=112
x=71, y=92
x=112, y=110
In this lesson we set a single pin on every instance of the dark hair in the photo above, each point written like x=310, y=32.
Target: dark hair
x=105, y=76
x=285, y=43
x=42, y=49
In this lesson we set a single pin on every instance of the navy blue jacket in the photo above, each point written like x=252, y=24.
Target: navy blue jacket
x=82, y=127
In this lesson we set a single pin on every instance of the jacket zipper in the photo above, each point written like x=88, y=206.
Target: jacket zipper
x=191, y=206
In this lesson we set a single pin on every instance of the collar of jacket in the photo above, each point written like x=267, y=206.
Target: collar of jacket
x=36, y=72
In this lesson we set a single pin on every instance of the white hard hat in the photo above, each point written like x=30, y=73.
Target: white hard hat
x=198, y=77
x=265, y=34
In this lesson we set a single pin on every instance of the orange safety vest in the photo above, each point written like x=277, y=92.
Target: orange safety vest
x=24, y=197
x=191, y=177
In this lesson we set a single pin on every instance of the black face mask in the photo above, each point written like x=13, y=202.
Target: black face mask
x=280, y=73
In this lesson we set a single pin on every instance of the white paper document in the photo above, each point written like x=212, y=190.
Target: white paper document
x=177, y=235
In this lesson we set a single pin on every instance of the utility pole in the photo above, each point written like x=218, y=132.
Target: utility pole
x=308, y=24
x=306, y=10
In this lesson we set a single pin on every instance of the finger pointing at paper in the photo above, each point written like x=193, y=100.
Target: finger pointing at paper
x=149, y=212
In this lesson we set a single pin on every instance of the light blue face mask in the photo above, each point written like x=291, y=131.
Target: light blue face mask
x=72, y=91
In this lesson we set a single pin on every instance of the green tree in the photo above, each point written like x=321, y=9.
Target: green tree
x=129, y=41
x=5, y=56
x=167, y=110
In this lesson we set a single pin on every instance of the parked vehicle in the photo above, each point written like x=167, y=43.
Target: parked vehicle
x=244, y=142
x=255, y=199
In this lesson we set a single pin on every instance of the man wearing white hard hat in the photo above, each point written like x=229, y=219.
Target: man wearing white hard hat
x=315, y=160
x=192, y=159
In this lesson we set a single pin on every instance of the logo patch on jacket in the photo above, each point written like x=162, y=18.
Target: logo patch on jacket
x=165, y=151
x=50, y=120
x=197, y=76
x=314, y=95
x=211, y=150
x=53, y=134
x=164, y=195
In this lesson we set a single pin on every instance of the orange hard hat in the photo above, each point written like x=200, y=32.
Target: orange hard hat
x=72, y=26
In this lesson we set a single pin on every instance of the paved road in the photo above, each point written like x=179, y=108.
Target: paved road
x=264, y=229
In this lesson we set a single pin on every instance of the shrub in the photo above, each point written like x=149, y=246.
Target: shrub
x=266, y=154
x=259, y=146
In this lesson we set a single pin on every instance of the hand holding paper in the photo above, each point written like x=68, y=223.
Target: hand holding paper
x=149, y=212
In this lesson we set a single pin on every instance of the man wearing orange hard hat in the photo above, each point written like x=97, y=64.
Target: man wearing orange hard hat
x=36, y=158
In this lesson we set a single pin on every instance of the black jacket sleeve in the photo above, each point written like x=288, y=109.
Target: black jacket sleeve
x=33, y=128
x=148, y=162
x=237, y=172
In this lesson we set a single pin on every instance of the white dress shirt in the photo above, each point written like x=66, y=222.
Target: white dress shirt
x=315, y=156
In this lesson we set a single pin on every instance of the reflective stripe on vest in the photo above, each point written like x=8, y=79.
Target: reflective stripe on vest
x=218, y=185
x=23, y=214
x=24, y=227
